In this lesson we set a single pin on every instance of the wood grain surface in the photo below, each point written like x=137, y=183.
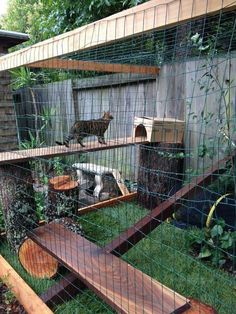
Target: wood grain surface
x=125, y=288
x=53, y=151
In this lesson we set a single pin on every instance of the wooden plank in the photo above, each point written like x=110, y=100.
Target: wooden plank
x=134, y=234
x=125, y=288
x=107, y=203
x=63, y=290
x=120, y=182
x=95, y=66
x=153, y=15
x=24, y=294
x=53, y=151
x=197, y=307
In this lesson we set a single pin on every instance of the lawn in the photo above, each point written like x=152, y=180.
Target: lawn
x=164, y=255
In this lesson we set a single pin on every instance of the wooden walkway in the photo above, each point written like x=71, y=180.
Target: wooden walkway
x=123, y=287
x=54, y=151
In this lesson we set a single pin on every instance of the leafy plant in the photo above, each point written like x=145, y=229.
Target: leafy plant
x=215, y=244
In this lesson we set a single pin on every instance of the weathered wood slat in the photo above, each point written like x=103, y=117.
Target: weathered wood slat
x=134, y=234
x=125, y=288
x=53, y=151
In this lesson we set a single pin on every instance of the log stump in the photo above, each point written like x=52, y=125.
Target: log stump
x=62, y=198
x=18, y=203
x=160, y=173
x=36, y=261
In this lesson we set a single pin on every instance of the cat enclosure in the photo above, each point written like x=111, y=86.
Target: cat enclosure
x=142, y=217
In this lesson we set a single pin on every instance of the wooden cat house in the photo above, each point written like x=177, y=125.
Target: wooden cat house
x=166, y=130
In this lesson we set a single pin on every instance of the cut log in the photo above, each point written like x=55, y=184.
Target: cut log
x=159, y=174
x=36, y=261
x=62, y=198
x=18, y=203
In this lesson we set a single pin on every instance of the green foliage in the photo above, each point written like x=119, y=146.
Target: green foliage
x=43, y=19
x=216, y=244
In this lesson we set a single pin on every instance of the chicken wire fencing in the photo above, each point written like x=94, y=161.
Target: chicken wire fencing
x=117, y=171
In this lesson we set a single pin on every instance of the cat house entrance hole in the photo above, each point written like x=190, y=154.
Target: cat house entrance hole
x=140, y=131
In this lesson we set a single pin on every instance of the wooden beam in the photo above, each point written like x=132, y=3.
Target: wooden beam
x=95, y=66
x=153, y=15
x=63, y=290
x=125, y=288
x=107, y=203
x=24, y=294
x=53, y=151
x=143, y=227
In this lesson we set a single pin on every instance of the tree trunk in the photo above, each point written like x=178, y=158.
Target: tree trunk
x=160, y=173
x=18, y=203
x=62, y=198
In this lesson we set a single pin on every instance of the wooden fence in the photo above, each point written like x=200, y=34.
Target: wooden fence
x=182, y=90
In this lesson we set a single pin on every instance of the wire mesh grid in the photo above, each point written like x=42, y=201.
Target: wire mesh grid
x=119, y=194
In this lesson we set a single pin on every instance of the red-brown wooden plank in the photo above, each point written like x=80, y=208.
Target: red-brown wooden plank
x=62, y=291
x=134, y=234
x=125, y=288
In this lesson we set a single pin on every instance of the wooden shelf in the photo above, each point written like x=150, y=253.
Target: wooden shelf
x=54, y=151
x=123, y=287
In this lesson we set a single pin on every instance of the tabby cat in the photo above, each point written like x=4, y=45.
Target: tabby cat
x=84, y=128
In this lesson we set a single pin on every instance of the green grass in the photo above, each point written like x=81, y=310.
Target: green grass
x=164, y=255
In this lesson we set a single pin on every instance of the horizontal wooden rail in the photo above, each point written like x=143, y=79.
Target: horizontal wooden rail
x=24, y=294
x=143, y=227
x=53, y=151
x=107, y=203
x=152, y=15
x=95, y=66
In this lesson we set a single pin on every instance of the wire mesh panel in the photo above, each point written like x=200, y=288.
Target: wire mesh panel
x=121, y=194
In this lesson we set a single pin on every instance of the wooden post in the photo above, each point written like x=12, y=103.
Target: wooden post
x=159, y=173
x=62, y=198
x=18, y=203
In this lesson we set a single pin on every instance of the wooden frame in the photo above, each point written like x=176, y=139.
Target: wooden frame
x=152, y=15
x=147, y=224
x=95, y=66
x=24, y=294
x=107, y=203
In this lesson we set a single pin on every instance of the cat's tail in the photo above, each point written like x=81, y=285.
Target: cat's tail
x=66, y=141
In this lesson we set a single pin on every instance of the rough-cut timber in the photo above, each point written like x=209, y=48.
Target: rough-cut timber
x=134, y=234
x=95, y=66
x=125, y=288
x=54, y=151
x=24, y=294
x=36, y=261
x=152, y=15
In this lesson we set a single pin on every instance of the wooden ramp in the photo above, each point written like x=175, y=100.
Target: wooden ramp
x=123, y=287
x=54, y=151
